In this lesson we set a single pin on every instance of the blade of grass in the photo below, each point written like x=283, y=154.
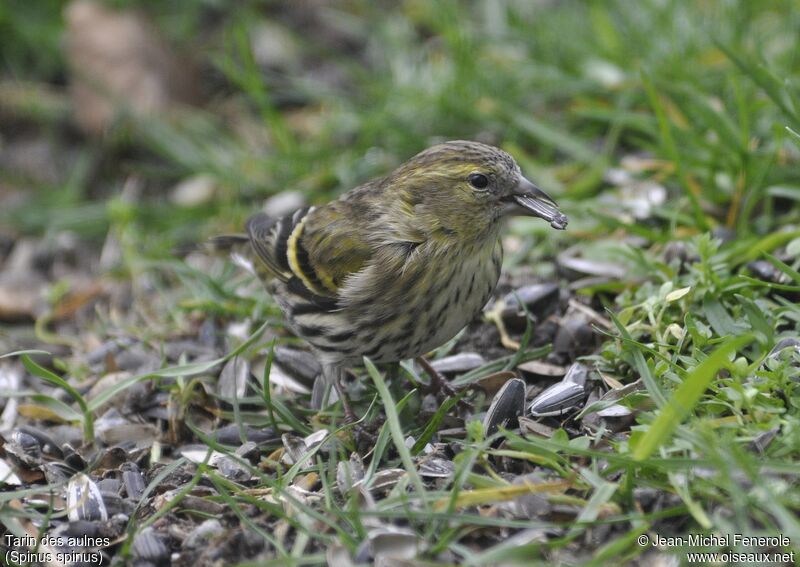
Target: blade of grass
x=393, y=419
x=52, y=378
x=433, y=425
x=783, y=267
x=21, y=352
x=668, y=143
x=267, y=393
x=640, y=363
x=551, y=136
x=766, y=79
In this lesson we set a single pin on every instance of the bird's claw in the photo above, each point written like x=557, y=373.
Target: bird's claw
x=365, y=435
x=439, y=385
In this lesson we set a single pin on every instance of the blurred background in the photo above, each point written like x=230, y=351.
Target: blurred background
x=161, y=123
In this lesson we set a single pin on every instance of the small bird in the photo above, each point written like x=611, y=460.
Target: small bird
x=395, y=267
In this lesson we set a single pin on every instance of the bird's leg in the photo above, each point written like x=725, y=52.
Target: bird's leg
x=438, y=382
x=349, y=414
x=333, y=376
x=362, y=435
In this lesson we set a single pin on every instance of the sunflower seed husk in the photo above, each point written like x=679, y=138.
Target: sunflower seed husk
x=148, y=546
x=384, y=480
x=109, y=486
x=231, y=435
x=574, y=267
x=337, y=554
x=283, y=379
x=530, y=426
x=577, y=374
x=7, y=476
x=134, y=482
x=392, y=542
x=301, y=363
x=316, y=438
x=24, y=446
x=84, y=500
x=492, y=383
x=232, y=469
x=507, y=405
x=458, y=363
x=349, y=473
x=617, y=410
x=783, y=344
x=116, y=505
x=73, y=458
x=232, y=384
x=557, y=399
x=57, y=472
x=541, y=300
x=436, y=467
x=762, y=440
x=543, y=369
x=203, y=534
x=765, y=271
x=46, y=443
x=296, y=449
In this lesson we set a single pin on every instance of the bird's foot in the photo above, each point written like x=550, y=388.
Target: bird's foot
x=439, y=385
x=364, y=434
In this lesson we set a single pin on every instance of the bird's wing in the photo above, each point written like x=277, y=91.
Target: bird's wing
x=269, y=237
x=331, y=244
x=312, y=250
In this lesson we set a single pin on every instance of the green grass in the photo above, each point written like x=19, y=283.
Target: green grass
x=703, y=97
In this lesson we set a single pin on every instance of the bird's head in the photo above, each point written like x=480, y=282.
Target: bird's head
x=465, y=188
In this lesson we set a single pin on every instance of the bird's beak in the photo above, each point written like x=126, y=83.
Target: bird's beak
x=527, y=199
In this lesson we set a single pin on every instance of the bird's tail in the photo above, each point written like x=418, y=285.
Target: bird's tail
x=226, y=243
x=215, y=246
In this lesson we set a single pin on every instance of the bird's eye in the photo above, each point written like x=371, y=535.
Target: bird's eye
x=478, y=180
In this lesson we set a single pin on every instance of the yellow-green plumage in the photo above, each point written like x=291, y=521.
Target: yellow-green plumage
x=396, y=267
